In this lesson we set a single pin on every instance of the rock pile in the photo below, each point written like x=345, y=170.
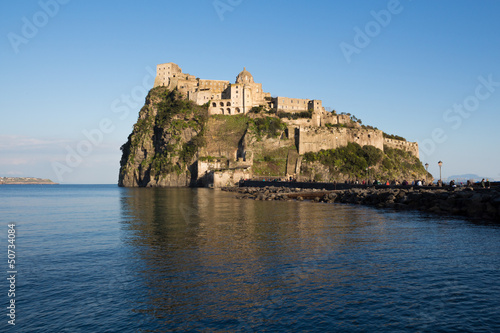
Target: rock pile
x=474, y=203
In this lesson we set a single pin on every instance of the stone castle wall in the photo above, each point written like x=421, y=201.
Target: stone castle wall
x=310, y=139
x=316, y=139
x=412, y=147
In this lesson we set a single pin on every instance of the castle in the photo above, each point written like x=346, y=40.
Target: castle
x=311, y=134
x=229, y=98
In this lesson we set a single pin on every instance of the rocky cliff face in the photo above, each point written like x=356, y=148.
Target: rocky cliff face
x=161, y=151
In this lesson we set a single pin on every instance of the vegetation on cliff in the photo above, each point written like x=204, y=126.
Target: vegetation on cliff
x=164, y=141
x=356, y=162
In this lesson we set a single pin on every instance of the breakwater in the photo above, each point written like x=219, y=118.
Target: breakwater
x=464, y=201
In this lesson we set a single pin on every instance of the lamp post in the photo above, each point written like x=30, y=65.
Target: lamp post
x=427, y=167
x=440, y=164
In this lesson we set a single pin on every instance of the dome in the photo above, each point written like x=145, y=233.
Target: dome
x=244, y=77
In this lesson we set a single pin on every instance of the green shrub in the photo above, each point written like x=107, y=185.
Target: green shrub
x=269, y=126
x=297, y=115
x=392, y=136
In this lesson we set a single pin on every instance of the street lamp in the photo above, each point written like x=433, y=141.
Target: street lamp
x=440, y=164
x=427, y=167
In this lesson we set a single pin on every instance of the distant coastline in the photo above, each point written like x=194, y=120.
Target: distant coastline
x=25, y=181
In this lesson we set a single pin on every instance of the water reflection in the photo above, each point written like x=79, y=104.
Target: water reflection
x=210, y=261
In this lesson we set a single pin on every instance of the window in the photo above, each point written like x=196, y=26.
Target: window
x=214, y=104
x=228, y=104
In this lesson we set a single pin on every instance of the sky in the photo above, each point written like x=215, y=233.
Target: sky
x=74, y=73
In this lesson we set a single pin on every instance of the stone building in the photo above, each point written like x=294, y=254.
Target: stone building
x=240, y=97
x=223, y=97
x=287, y=104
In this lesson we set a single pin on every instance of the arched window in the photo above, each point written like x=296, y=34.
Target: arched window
x=221, y=103
x=222, y=110
x=228, y=104
x=228, y=111
x=238, y=110
x=214, y=104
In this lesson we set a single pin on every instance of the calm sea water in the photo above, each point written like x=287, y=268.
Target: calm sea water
x=108, y=259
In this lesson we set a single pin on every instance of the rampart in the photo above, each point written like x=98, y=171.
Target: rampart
x=412, y=147
x=312, y=139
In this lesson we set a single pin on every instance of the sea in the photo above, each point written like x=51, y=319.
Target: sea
x=100, y=258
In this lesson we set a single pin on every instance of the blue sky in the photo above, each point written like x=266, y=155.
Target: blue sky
x=75, y=72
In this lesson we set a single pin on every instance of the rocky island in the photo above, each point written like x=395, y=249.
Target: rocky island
x=213, y=133
x=25, y=181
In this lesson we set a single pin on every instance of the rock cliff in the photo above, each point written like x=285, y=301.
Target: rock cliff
x=175, y=143
x=161, y=151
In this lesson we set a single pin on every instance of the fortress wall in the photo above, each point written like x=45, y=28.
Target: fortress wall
x=329, y=118
x=316, y=139
x=411, y=147
x=334, y=119
x=291, y=104
x=204, y=167
x=230, y=177
x=298, y=122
